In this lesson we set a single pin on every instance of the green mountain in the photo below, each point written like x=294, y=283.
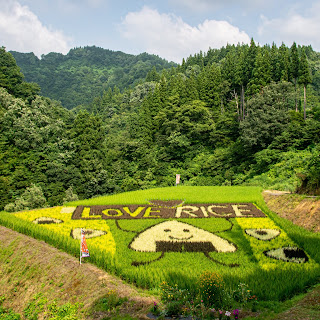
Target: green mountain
x=239, y=115
x=84, y=73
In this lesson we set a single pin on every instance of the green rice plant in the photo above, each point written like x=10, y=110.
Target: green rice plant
x=188, y=193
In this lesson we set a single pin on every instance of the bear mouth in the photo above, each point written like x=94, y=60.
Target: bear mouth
x=184, y=246
x=180, y=239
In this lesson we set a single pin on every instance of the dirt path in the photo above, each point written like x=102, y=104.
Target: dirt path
x=29, y=266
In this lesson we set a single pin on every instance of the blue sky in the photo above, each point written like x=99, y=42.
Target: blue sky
x=172, y=29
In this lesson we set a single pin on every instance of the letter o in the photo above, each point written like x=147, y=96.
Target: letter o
x=118, y=212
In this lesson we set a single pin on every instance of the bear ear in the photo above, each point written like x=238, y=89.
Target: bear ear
x=166, y=203
x=46, y=220
x=263, y=234
x=289, y=254
x=89, y=233
x=68, y=209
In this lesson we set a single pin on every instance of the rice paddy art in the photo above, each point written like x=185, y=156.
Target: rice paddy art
x=176, y=240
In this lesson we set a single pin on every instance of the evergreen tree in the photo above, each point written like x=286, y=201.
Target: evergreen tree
x=212, y=86
x=163, y=89
x=250, y=60
x=284, y=61
x=88, y=136
x=261, y=73
x=191, y=87
x=153, y=75
x=275, y=70
x=304, y=78
x=294, y=68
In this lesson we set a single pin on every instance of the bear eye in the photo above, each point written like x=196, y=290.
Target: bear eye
x=263, y=234
x=46, y=220
x=289, y=254
x=186, y=230
x=166, y=230
x=90, y=233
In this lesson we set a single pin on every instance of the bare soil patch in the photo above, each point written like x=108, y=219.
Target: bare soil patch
x=301, y=210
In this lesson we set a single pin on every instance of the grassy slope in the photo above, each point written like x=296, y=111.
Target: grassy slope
x=189, y=194
x=29, y=267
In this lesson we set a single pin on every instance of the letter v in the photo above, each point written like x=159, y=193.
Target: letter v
x=134, y=213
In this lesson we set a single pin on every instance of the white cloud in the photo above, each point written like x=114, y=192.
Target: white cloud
x=21, y=30
x=170, y=37
x=205, y=5
x=303, y=29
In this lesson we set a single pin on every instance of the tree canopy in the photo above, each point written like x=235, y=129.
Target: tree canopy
x=236, y=115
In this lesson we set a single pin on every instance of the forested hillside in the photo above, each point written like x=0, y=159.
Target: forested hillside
x=239, y=115
x=84, y=73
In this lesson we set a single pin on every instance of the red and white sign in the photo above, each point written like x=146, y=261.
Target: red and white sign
x=84, y=252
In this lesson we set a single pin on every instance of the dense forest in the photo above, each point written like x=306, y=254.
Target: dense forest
x=84, y=73
x=239, y=115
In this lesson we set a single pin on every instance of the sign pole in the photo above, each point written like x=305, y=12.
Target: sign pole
x=80, y=244
x=177, y=179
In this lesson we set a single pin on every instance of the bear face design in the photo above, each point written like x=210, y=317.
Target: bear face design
x=175, y=235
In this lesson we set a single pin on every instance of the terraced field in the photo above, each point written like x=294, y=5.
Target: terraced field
x=174, y=234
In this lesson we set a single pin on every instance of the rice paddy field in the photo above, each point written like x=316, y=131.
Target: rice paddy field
x=175, y=234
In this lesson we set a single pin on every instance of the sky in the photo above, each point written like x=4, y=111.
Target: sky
x=171, y=29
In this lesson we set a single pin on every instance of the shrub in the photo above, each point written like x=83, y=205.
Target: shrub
x=175, y=299
x=173, y=293
x=211, y=288
x=242, y=294
x=10, y=207
x=31, y=198
x=70, y=196
x=173, y=308
x=109, y=302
